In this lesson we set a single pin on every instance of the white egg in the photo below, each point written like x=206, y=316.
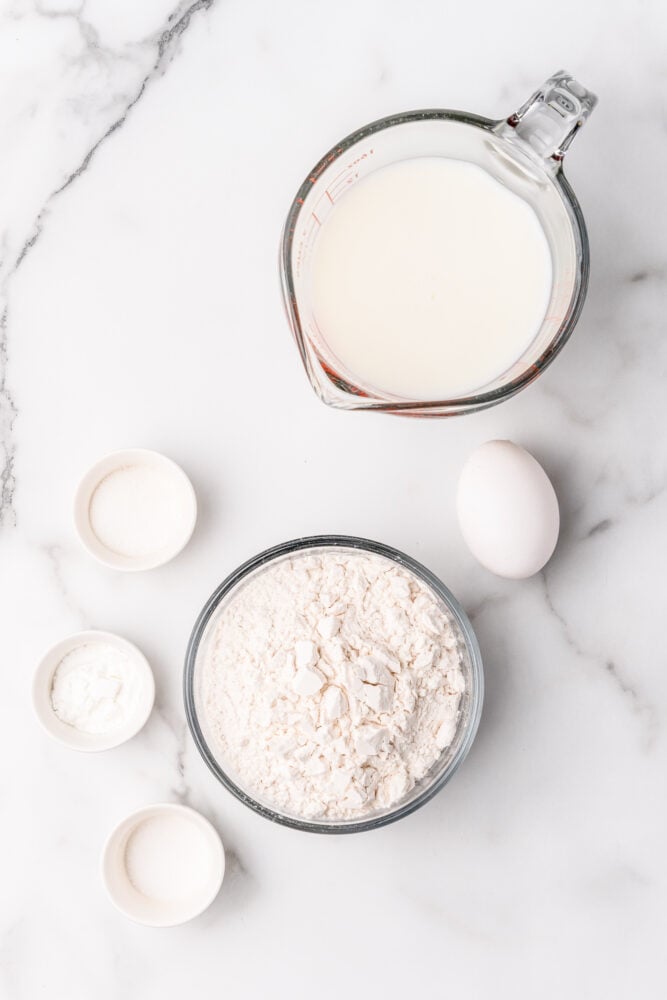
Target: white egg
x=507, y=510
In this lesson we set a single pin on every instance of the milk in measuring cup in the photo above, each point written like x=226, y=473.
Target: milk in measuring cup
x=430, y=279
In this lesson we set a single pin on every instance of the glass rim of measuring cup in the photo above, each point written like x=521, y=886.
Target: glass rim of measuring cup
x=538, y=136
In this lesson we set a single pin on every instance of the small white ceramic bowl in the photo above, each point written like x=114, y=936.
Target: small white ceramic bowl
x=177, y=485
x=189, y=899
x=68, y=735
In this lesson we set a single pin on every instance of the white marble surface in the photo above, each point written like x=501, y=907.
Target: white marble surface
x=149, y=154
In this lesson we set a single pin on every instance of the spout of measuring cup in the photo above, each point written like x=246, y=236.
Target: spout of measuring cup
x=549, y=120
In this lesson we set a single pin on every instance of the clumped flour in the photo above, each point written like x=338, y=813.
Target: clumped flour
x=331, y=683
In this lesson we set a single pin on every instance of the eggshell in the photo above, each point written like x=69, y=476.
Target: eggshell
x=507, y=510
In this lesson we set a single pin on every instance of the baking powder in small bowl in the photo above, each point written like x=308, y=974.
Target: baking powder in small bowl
x=93, y=691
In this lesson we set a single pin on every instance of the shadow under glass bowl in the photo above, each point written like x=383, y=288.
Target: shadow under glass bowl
x=451, y=757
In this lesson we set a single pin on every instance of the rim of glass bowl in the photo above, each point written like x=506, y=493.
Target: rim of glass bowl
x=375, y=548
x=352, y=397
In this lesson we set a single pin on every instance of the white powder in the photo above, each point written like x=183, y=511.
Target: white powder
x=95, y=688
x=139, y=510
x=168, y=858
x=331, y=683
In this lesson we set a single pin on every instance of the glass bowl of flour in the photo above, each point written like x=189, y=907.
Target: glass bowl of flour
x=333, y=684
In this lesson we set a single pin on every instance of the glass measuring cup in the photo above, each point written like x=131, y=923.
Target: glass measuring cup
x=525, y=154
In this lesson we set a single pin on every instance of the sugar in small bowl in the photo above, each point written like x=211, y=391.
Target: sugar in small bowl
x=135, y=509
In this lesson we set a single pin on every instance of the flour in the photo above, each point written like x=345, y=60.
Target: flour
x=331, y=683
x=95, y=688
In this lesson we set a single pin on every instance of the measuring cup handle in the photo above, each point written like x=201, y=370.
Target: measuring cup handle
x=549, y=120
